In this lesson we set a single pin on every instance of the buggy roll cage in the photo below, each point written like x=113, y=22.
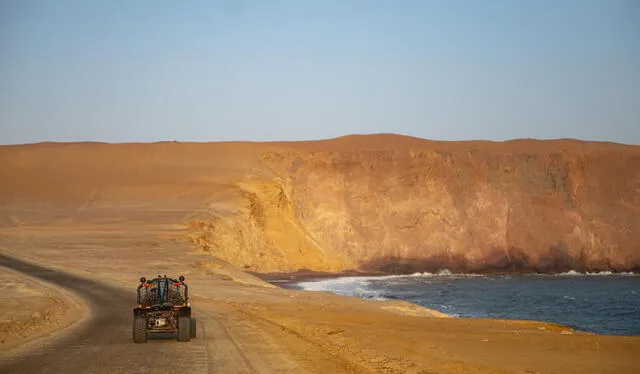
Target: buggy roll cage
x=163, y=283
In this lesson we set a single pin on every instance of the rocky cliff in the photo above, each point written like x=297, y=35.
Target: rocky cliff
x=373, y=203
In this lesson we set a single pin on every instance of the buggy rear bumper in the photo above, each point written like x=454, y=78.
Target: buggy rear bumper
x=162, y=318
x=181, y=311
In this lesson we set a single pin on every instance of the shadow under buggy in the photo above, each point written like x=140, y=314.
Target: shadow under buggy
x=163, y=307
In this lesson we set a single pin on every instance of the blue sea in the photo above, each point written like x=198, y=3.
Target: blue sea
x=602, y=303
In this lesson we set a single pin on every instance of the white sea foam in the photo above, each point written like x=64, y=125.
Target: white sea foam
x=606, y=294
x=573, y=273
x=357, y=286
x=349, y=286
x=441, y=273
x=360, y=286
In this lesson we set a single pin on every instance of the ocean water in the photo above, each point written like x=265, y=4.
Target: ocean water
x=602, y=303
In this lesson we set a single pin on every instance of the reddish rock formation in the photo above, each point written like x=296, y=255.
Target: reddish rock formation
x=382, y=202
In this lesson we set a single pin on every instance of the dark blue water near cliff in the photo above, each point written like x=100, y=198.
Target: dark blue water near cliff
x=604, y=303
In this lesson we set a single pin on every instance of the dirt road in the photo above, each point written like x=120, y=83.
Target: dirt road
x=249, y=328
x=102, y=343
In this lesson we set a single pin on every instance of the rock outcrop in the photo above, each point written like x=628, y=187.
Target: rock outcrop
x=372, y=203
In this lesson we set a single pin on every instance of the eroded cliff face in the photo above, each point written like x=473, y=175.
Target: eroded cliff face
x=373, y=203
x=427, y=209
x=260, y=230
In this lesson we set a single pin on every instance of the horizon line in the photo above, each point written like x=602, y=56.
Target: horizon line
x=351, y=135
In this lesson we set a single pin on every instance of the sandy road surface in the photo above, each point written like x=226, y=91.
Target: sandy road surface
x=102, y=342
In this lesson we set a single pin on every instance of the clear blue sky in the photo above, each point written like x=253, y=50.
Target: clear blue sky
x=121, y=70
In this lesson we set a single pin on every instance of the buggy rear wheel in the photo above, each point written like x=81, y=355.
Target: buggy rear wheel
x=193, y=326
x=184, y=329
x=139, y=329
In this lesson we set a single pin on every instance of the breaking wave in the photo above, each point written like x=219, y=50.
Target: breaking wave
x=361, y=286
x=601, y=302
x=573, y=273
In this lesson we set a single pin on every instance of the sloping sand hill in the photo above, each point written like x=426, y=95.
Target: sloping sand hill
x=372, y=203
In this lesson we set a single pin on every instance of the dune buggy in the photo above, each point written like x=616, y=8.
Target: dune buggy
x=163, y=307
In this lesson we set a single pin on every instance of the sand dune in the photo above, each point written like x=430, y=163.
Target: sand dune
x=378, y=202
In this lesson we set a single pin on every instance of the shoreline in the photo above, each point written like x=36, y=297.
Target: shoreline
x=381, y=336
x=291, y=281
x=308, y=275
x=277, y=278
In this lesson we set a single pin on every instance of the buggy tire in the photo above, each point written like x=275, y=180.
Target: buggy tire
x=184, y=329
x=139, y=329
x=193, y=326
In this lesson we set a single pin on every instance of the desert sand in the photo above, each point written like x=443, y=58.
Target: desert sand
x=217, y=211
x=31, y=309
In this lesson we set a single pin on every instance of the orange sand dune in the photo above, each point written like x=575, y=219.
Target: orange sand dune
x=366, y=202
